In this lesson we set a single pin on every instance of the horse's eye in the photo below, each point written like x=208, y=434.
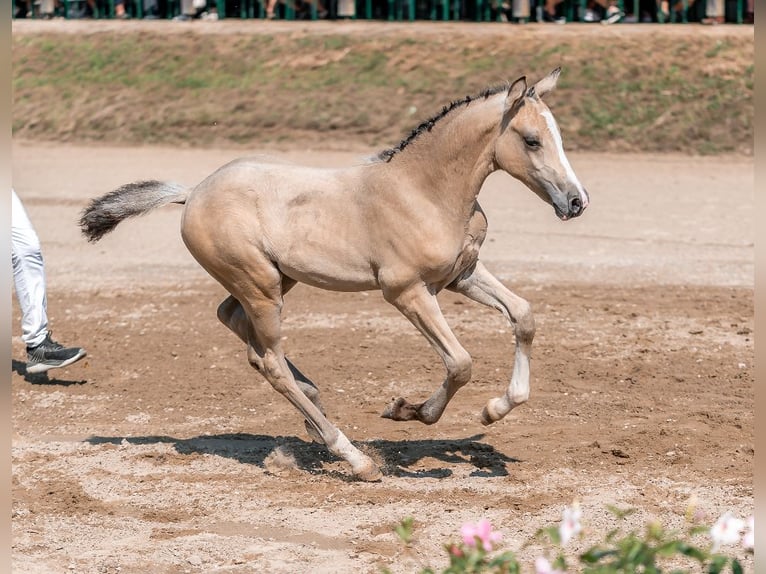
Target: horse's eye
x=532, y=142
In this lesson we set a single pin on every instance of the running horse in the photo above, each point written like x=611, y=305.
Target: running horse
x=407, y=222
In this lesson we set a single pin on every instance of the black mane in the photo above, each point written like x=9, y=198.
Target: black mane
x=387, y=154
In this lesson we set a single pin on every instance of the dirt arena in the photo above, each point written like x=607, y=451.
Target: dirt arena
x=164, y=452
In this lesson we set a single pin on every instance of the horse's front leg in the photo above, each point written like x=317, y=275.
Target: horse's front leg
x=420, y=306
x=483, y=287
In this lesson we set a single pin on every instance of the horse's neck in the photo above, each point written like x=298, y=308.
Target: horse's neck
x=453, y=160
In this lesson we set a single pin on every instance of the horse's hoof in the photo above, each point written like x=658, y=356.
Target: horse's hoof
x=401, y=410
x=388, y=412
x=369, y=474
x=489, y=413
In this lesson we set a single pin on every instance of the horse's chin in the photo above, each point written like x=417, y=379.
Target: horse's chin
x=561, y=215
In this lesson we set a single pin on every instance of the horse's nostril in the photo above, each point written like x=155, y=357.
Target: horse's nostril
x=575, y=205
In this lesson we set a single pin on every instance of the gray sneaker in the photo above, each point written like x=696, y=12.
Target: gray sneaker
x=51, y=355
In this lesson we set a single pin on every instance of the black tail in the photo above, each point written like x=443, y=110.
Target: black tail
x=105, y=212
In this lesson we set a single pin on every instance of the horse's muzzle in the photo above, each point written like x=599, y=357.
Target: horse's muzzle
x=576, y=205
x=569, y=205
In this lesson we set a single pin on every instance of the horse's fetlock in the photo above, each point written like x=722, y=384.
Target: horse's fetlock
x=518, y=397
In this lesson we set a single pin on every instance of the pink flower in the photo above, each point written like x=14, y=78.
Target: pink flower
x=542, y=566
x=570, y=523
x=726, y=531
x=748, y=540
x=481, y=532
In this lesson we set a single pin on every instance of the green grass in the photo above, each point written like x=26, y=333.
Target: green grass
x=170, y=89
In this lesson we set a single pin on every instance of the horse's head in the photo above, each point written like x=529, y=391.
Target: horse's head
x=530, y=149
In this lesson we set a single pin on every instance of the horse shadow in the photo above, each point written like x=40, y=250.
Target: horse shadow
x=20, y=368
x=396, y=458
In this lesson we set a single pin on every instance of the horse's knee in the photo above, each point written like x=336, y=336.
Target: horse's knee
x=459, y=368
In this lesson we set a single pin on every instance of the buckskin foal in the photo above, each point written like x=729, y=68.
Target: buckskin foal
x=407, y=223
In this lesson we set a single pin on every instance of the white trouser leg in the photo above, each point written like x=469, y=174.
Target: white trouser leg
x=28, y=275
x=714, y=8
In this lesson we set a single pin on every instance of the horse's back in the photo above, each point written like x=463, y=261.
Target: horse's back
x=306, y=220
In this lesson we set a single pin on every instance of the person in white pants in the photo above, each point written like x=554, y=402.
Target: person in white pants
x=43, y=353
x=715, y=12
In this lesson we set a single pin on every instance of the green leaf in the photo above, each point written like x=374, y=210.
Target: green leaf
x=691, y=551
x=593, y=555
x=717, y=564
x=552, y=532
x=634, y=551
x=736, y=567
x=504, y=558
x=621, y=514
x=404, y=529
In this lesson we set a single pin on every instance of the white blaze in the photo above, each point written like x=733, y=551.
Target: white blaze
x=549, y=119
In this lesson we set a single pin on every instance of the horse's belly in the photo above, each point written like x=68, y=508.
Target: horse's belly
x=331, y=278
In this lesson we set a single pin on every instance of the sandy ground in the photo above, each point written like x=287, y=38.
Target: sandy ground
x=165, y=452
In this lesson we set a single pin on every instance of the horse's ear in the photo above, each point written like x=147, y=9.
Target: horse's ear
x=515, y=95
x=546, y=85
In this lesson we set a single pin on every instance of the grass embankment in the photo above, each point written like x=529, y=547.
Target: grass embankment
x=684, y=93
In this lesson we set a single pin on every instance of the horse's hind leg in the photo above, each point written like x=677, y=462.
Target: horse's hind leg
x=231, y=314
x=483, y=287
x=263, y=308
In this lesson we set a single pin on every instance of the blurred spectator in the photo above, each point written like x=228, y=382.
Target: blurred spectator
x=119, y=10
x=550, y=12
x=43, y=353
x=503, y=10
x=678, y=14
x=151, y=10
x=346, y=9
x=196, y=9
x=47, y=9
x=23, y=9
x=604, y=11
x=188, y=11
x=302, y=9
x=715, y=12
x=512, y=10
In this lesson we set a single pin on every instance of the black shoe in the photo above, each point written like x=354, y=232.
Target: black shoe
x=51, y=355
x=554, y=19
